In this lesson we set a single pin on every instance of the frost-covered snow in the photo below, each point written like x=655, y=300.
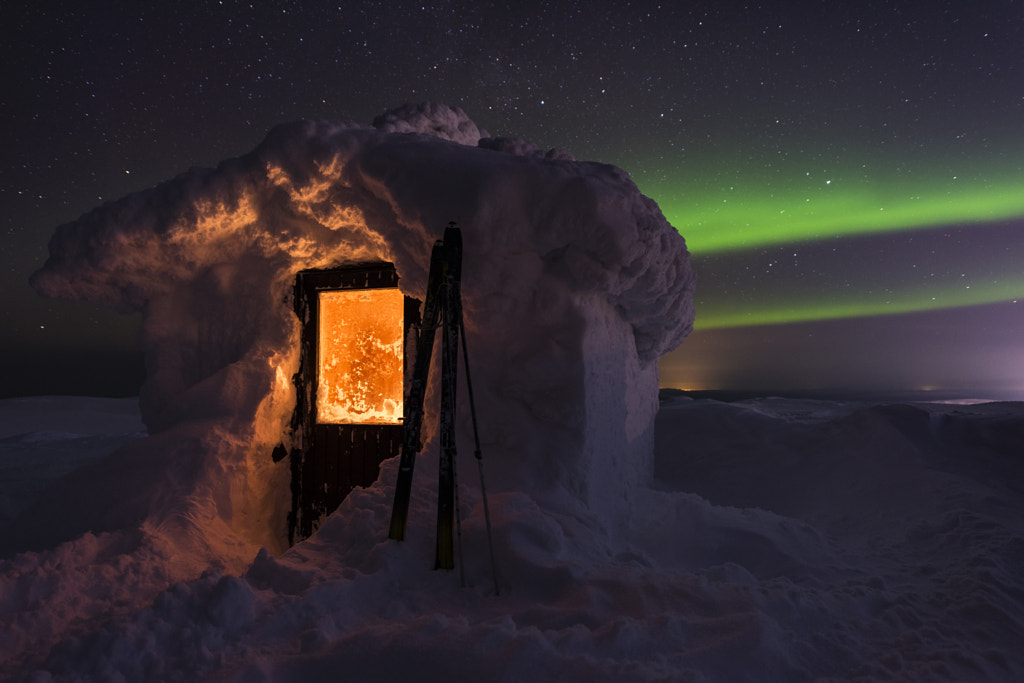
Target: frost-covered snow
x=781, y=540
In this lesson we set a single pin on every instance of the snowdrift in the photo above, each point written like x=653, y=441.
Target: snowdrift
x=783, y=540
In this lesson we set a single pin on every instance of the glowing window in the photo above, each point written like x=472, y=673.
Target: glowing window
x=359, y=359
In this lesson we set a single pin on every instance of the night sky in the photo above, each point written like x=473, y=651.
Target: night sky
x=849, y=176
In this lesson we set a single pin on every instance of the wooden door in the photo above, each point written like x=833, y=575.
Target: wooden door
x=350, y=385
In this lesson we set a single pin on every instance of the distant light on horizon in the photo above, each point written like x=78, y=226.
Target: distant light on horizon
x=910, y=355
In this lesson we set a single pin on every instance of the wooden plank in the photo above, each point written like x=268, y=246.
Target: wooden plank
x=332, y=449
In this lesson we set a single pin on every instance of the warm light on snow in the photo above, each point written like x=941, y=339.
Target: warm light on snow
x=359, y=367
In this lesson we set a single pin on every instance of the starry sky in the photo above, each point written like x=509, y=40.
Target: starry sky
x=849, y=176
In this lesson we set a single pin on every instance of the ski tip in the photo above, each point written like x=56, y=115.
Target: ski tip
x=452, y=236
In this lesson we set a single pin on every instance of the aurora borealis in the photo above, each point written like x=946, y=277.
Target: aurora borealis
x=840, y=172
x=973, y=214
x=738, y=218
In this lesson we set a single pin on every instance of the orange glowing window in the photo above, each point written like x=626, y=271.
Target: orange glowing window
x=360, y=352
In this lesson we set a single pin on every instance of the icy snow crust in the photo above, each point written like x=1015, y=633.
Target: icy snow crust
x=782, y=541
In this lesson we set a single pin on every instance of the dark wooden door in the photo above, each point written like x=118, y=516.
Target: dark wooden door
x=330, y=459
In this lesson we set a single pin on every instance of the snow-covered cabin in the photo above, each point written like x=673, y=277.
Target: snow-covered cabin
x=574, y=284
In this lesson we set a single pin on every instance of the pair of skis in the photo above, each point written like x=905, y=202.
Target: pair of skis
x=442, y=307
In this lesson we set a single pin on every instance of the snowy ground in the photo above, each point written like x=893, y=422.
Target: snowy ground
x=781, y=540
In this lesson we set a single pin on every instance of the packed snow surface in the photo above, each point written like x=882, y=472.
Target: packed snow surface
x=780, y=540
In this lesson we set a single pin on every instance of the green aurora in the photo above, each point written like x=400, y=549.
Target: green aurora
x=814, y=207
x=825, y=206
x=851, y=306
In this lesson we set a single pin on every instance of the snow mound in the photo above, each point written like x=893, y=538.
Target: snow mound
x=573, y=285
x=431, y=118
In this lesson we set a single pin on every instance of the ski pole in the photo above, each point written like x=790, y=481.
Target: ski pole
x=476, y=443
